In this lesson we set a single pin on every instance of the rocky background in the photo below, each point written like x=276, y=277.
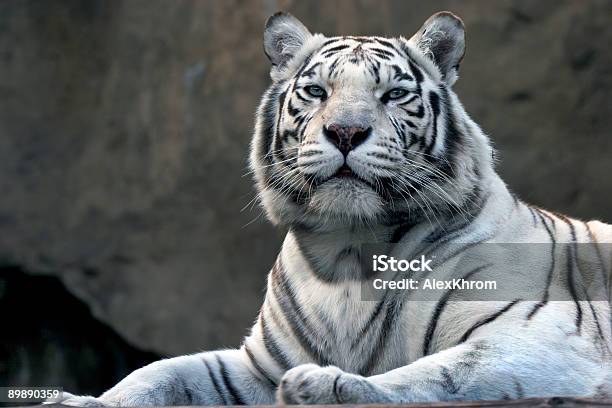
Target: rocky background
x=124, y=130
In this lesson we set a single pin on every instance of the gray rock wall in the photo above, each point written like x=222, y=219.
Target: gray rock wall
x=124, y=129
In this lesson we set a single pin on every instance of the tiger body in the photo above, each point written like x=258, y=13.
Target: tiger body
x=358, y=140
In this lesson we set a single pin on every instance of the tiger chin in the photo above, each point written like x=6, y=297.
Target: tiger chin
x=362, y=139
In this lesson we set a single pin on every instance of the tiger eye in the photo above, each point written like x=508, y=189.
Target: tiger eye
x=396, y=93
x=316, y=91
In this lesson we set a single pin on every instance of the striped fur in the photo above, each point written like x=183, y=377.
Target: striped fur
x=422, y=178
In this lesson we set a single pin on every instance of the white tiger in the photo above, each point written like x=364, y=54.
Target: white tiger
x=361, y=139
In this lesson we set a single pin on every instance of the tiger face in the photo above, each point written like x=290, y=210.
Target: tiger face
x=362, y=129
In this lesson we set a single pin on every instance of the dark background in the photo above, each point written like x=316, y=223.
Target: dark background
x=124, y=131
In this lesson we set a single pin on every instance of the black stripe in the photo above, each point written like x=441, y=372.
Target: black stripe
x=400, y=231
x=383, y=156
x=236, y=398
x=288, y=134
x=278, y=139
x=299, y=120
x=376, y=70
x=189, y=395
x=599, y=331
x=184, y=387
x=262, y=372
x=271, y=346
x=291, y=109
x=410, y=123
x=571, y=261
x=548, y=217
x=333, y=66
x=515, y=199
x=434, y=102
x=385, y=43
x=380, y=51
x=551, y=270
x=333, y=50
x=604, y=280
x=268, y=120
x=293, y=314
x=331, y=41
x=214, y=382
x=572, y=288
x=380, y=55
x=452, y=137
x=433, y=322
x=448, y=383
x=302, y=127
x=604, y=271
x=301, y=98
x=400, y=75
x=386, y=324
x=399, y=130
x=520, y=393
x=416, y=72
x=393, y=311
x=412, y=98
x=488, y=320
x=370, y=323
x=533, y=216
x=418, y=114
x=311, y=71
x=569, y=223
x=301, y=70
x=470, y=359
x=335, y=389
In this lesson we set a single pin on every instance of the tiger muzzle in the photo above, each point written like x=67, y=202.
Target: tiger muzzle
x=346, y=138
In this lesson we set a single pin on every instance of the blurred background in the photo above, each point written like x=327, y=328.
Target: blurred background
x=124, y=131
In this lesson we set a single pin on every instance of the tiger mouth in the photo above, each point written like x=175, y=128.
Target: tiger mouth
x=344, y=174
x=345, y=171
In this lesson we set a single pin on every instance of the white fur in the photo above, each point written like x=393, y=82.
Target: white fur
x=308, y=317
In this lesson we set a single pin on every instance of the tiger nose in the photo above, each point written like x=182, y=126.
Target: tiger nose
x=346, y=138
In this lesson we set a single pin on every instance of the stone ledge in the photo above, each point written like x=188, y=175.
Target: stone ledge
x=564, y=402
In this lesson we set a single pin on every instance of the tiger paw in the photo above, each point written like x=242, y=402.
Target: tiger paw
x=80, y=401
x=310, y=384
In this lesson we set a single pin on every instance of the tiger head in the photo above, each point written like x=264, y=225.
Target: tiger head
x=365, y=129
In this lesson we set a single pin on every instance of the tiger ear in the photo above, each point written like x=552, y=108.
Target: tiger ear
x=442, y=39
x=284, y=35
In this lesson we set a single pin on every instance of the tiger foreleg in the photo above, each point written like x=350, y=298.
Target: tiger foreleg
x=491, y=369
x=212, y=378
